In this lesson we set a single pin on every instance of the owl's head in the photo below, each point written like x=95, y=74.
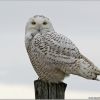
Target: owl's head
x=39, y=23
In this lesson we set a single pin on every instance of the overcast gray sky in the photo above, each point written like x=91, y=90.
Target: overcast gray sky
x=80, y=21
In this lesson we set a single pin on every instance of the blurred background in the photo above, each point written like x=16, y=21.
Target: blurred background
x=78, y=20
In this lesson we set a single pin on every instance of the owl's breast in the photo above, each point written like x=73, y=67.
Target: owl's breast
x=40, y=64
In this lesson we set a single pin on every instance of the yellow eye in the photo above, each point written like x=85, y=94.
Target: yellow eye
x=33, y=23
x=44, y=23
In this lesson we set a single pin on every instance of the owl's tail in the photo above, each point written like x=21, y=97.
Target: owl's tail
x=87, y=69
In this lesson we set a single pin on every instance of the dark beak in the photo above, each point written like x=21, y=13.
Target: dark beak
x=38, y=30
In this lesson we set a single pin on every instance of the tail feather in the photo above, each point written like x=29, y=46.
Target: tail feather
x=97, y=71
x=87, y=69
x=97, y=79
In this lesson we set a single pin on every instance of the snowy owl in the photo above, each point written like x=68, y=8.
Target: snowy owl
x=53, y=55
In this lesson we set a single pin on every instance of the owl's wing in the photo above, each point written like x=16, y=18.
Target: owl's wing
x=57, y=48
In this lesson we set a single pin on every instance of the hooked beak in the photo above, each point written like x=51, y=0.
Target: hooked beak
x=39, y=29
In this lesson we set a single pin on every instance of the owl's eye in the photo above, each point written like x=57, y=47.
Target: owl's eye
x=44, y=23
x=33, y=23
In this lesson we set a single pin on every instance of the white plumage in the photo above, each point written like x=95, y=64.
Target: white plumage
x=53, y=55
